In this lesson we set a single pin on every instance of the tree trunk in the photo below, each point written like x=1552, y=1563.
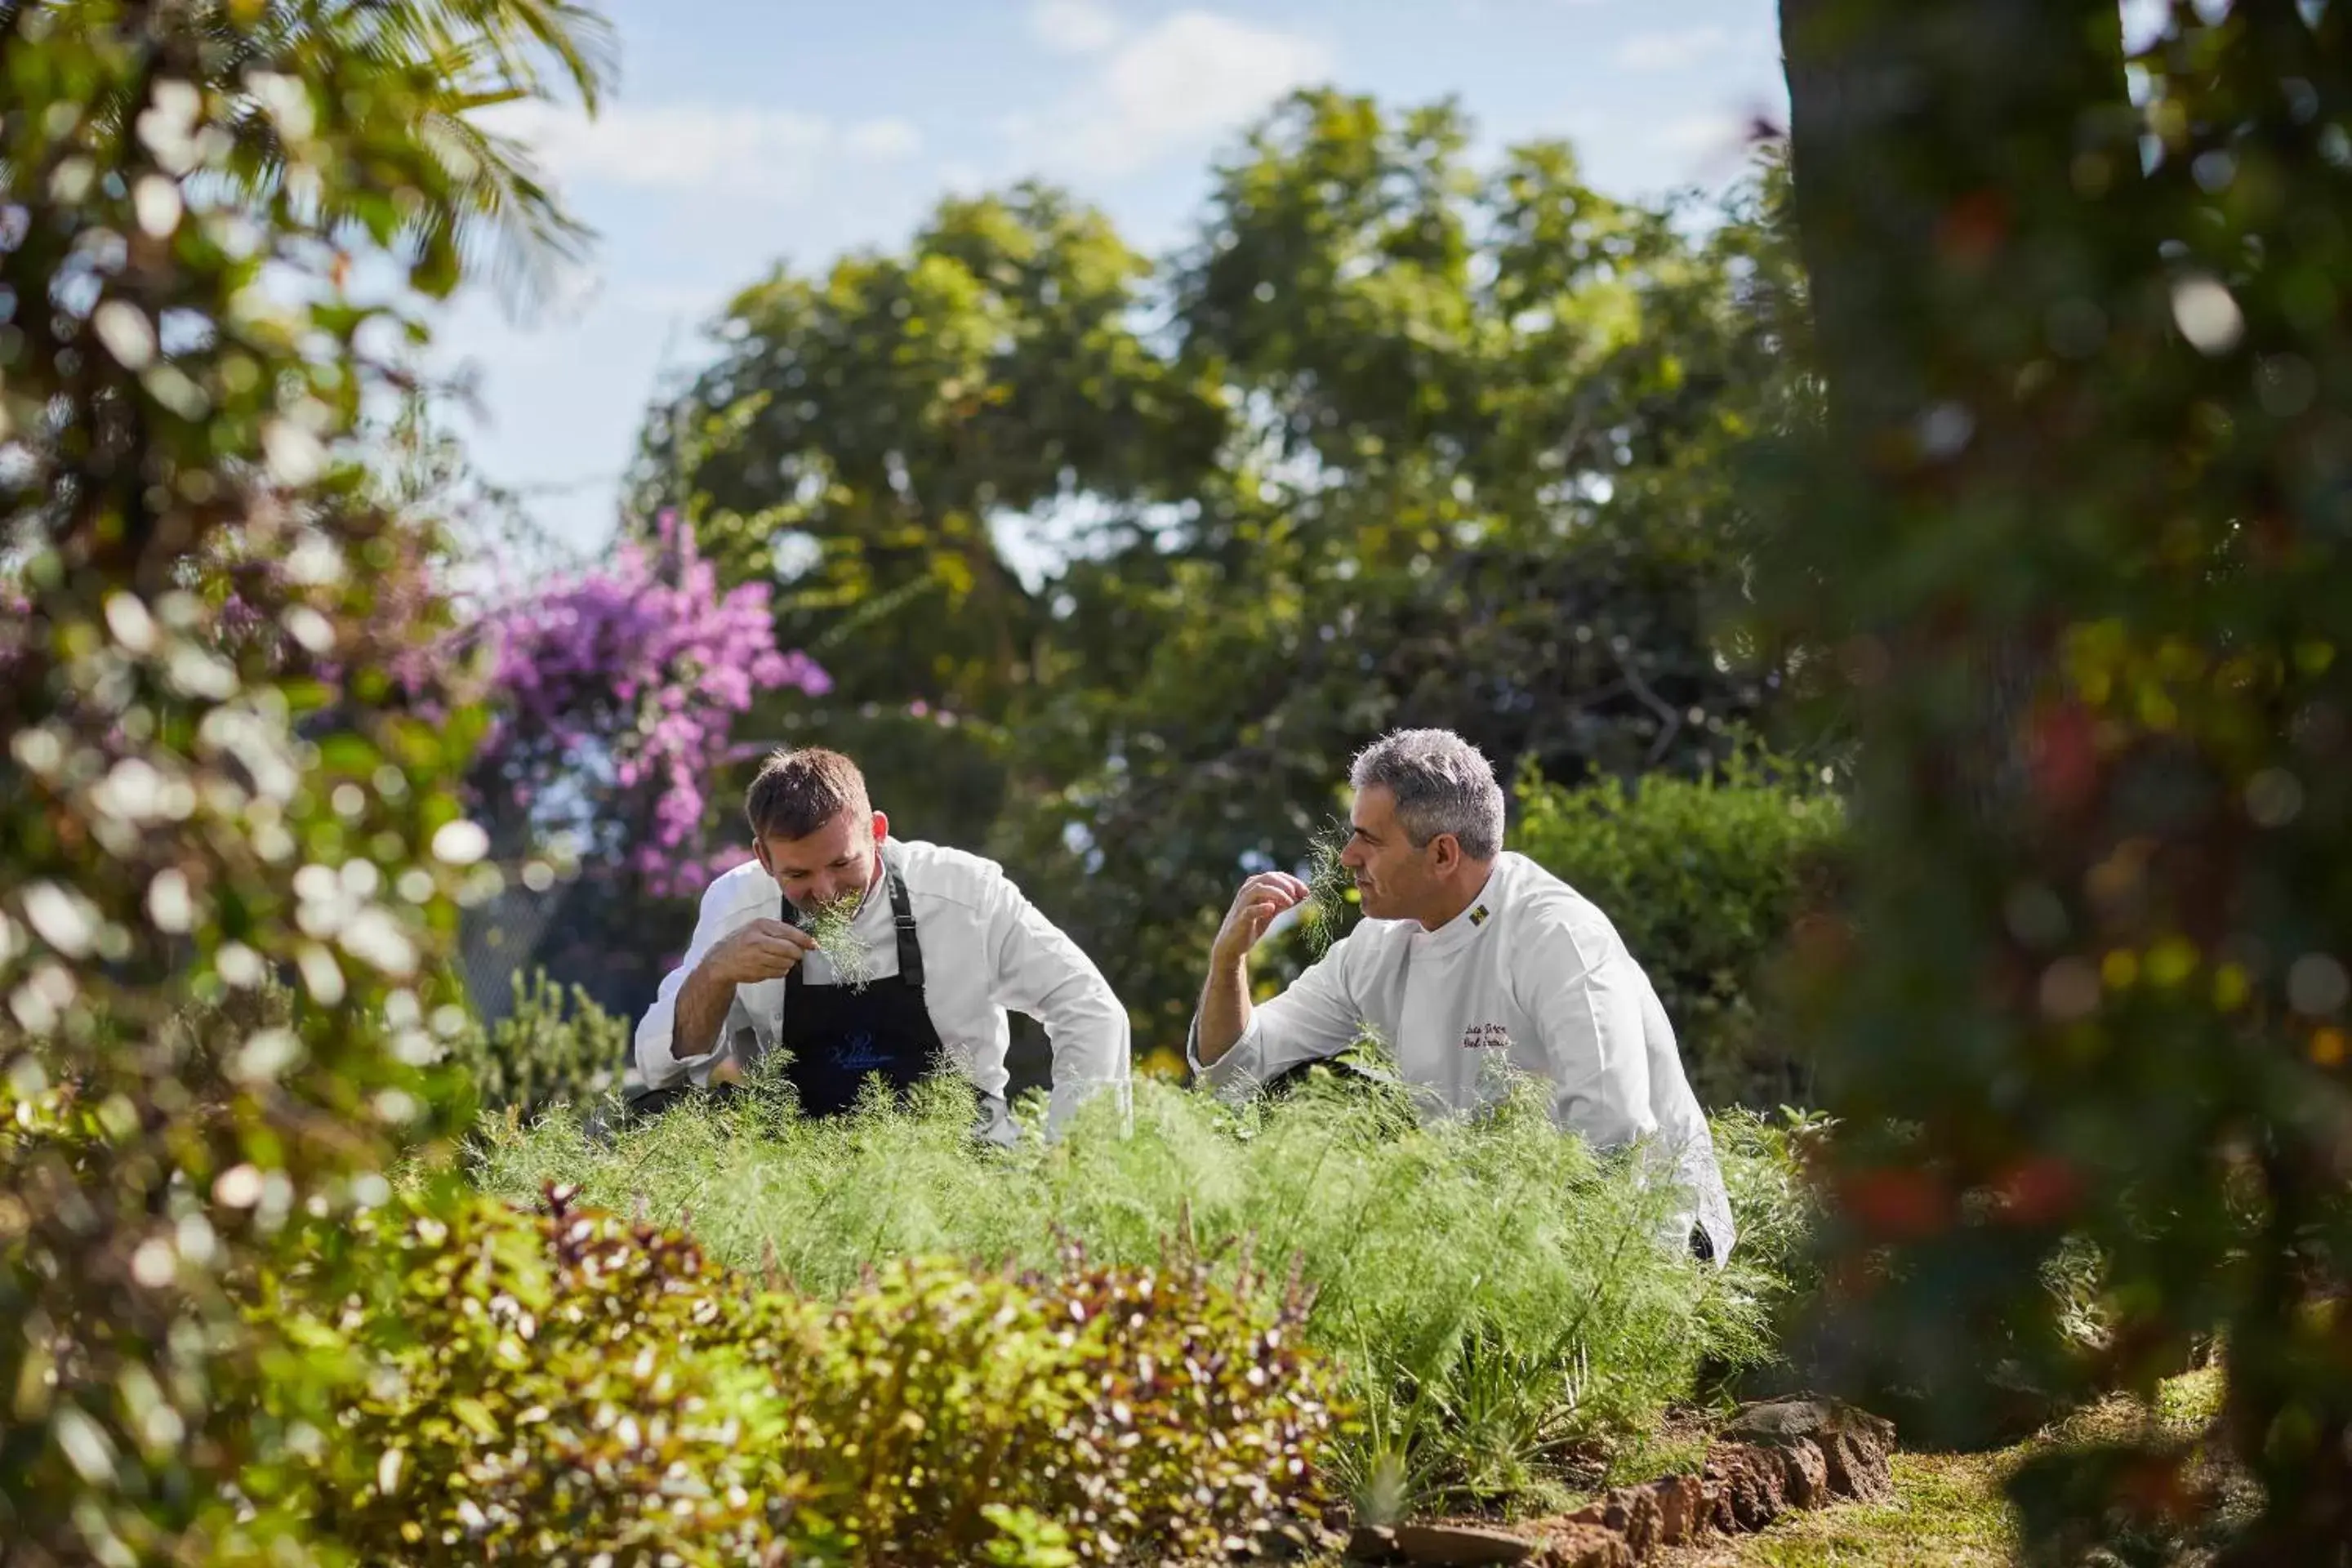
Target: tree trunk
x=1930, y=141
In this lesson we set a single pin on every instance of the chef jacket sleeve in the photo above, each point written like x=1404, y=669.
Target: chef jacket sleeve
x=1037, y=970
x=659, y=1063
x=1684, y=1142
x=1316, y=1018
x=1585, y=996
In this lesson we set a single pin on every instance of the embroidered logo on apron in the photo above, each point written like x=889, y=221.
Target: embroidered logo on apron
x=859, y=1054
x=1485, y=1037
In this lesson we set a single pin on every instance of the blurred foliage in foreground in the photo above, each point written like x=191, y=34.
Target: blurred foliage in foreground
x=1497, y=1299
x=2075, y=542
x=215, y=771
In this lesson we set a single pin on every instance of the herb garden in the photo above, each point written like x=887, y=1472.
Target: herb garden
x=1904, y=594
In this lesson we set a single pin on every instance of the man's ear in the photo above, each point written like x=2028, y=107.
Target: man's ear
x=759, y=852
x=881, y=828
x=1444, y=854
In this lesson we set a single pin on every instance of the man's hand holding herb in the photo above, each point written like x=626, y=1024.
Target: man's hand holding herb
x=764, y=950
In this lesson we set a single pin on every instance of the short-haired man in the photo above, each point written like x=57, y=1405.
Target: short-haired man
x=1468, y=955
x=948, y=944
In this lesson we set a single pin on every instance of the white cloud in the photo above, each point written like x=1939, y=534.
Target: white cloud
x=685, y=147
x=883, y=140
x=1073, y=26
x=1714, y=135
x=1179, y=83
x=695, y=301
x=1671, y=51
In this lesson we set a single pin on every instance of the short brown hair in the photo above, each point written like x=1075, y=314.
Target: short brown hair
x=798, y=792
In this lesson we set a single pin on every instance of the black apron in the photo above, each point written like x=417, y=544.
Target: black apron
x=839, y=1036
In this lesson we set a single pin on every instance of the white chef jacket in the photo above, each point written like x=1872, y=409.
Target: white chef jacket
x=985, y=949
x=1531, y=973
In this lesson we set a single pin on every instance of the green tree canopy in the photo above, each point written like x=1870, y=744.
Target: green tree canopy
x=1393, y=437
x=1476, y=477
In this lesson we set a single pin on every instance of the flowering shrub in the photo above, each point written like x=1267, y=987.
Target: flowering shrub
x=617, y=692
x=559, y=1388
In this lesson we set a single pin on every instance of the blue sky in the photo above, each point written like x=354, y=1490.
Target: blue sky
x=749, y=131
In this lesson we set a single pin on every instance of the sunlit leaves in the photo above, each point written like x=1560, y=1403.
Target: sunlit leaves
x=561, y=1388
x=229, y=740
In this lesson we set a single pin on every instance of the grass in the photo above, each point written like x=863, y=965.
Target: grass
x=1950, y=1511
x=1499, y=1299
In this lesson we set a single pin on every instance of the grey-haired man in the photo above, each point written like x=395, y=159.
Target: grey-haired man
x=1468, y=955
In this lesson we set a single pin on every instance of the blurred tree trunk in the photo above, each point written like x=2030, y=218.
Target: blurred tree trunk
x=1934, y=148
x=1925, y=135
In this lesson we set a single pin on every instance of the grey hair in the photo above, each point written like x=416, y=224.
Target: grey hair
x=1441, y=784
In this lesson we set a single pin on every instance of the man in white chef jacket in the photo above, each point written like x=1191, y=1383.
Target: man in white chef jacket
x=1468, y=955
x=948, y=944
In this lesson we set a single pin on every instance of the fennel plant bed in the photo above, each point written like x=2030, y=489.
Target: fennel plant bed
x=1495, y=1296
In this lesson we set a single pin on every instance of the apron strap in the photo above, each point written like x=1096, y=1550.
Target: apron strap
x=902, y=915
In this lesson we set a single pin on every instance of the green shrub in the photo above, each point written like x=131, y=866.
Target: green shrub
x=1705, y=881
x=575, y=1388
x=1490, y=1288
x=544, y=1053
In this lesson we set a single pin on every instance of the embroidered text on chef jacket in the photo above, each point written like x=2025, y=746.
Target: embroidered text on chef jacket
x=985, y=948
x=1532, y=974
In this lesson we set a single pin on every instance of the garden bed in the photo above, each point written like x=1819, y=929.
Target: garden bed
x=1506, y=1328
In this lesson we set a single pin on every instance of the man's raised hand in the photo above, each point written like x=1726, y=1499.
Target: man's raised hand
x=1261, y=898
x=764, y=950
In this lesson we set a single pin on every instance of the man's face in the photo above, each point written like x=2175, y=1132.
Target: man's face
x=836, y=862
x=1391, y=876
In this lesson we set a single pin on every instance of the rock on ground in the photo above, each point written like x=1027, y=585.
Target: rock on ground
x=1855, y=1444
x=1781, y=1454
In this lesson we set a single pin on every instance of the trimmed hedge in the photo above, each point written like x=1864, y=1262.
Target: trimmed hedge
x=1704, y=879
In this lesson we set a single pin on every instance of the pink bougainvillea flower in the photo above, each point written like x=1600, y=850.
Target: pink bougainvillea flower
x=645, y=665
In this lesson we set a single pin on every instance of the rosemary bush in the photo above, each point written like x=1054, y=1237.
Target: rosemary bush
x=1494, y=1294
x=555, y=1047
